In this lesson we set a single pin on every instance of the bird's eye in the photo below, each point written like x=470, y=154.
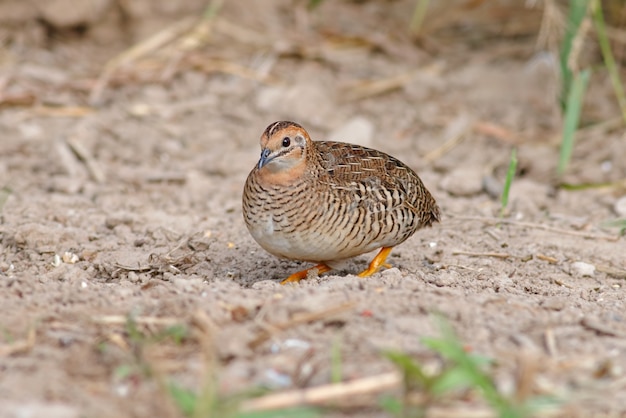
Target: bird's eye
x=286, y=142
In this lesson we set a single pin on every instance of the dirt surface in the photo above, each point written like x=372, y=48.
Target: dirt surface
x=125, y=201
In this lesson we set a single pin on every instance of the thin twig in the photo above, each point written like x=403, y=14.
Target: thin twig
x=139, y=268
x=141, y=320
x=63, y=111
x=464, y=268
x=549, y=259
x=473, y=254
x=270, y=329
x=325, y=394
x=85, y=156
x=602, y=327
x=495, y=221
x=496, y=131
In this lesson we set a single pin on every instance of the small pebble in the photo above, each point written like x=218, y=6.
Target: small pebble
x=296, y=343
x=56, y=260
x=69, y=258
x=492, y=187
x=620, y=207
x=463, y=182
x=444, y=279
x=581, y=269
x=276, y=380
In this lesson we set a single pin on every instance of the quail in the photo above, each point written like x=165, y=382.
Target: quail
x=326, y=202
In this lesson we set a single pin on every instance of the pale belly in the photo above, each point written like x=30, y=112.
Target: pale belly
x=306, y=244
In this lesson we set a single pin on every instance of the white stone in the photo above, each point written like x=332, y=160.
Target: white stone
x=358, y=130
x=582, y=269
x=463, y=182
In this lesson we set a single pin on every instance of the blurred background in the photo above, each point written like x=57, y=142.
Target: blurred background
x=391, y=70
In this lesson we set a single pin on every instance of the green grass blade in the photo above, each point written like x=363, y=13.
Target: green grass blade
x=510, y=174
x=298, y=412
x=616, y=223
x=212, y=9
x=572, y=117
x=184, y=399
x=587, y=186
x=607, y=55
x=5, y=192
x=419, y=13
x=336, y=375
x=412, y=371
x=468, y=371
x=314, y=3
x=577, y=12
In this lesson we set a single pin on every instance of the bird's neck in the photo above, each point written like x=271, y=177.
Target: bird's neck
x=283, y=176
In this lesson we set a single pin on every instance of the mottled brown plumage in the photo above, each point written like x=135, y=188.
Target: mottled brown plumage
x=324, y=202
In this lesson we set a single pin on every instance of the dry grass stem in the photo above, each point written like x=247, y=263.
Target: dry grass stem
x=118, y=340
x=366, y=89
x=141, y=320
x=325, y=394
x=550, y=260
x=63, y=111
x=473, y=254
x=455, y=133
x=19, y=346
x=460, y=412
x=495, y=221
x=139, y=50
x=577, y=44
x=85, y=156
x=271, y=329
x=552, y=25
x=497, y=131
x=550, y=342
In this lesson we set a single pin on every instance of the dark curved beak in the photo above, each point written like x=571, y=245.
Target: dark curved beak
x=264, y=158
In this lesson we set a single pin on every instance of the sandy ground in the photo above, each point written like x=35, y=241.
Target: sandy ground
x=132, y=208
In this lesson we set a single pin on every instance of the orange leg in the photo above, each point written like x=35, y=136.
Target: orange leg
x=296, y=277
x=377, y=262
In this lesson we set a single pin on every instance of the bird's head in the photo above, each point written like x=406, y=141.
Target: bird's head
x=284, y=147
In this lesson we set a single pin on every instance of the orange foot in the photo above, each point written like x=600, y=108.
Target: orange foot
x=377, y=262
x=296, y=277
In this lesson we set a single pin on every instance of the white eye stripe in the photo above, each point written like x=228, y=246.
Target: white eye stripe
x=276, y=127
x=270, y=131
